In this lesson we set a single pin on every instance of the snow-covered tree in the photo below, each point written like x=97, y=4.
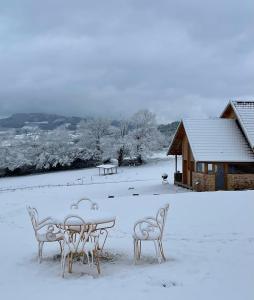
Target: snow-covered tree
x=120, y=142
x=92, y=133
x=55, y=149
x=95, y=140
x=144, y=136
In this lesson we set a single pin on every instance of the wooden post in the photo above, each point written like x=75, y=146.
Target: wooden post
x=175, y=163
x=225, y=176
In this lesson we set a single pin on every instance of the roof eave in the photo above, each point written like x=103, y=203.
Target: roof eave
x=242, y=125
x=174, y=137
x=224, y=161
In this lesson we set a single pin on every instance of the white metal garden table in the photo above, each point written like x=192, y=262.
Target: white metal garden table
x=90, y=216
x=107, y=169
x=101, y=221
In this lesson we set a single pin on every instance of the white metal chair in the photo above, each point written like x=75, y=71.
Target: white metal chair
x=76, y=205
x=150, y=229
x=82, y=242
x=45, y=230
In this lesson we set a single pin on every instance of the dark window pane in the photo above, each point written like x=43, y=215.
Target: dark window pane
x=241, y=168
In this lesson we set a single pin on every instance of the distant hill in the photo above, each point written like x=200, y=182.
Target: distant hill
x=168, y=129
x=51, y=121
x=41, y=120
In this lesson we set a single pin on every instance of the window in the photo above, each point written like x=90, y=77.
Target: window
x=210, y=168
x=241, y=168
x=200, y=167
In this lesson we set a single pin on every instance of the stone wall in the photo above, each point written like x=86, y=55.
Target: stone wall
x=240, y=181
x=203, y=182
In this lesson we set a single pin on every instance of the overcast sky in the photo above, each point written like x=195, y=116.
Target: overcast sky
x=177, y=58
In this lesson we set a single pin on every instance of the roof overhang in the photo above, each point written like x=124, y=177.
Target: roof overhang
x=175, y=147
x=225, y=161
x=212, y=140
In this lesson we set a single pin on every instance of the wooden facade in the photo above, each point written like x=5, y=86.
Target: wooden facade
x=182, y=147
x=209, y=175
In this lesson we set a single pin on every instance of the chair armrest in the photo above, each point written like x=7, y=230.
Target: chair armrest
x=45, y=220
x=51, y=230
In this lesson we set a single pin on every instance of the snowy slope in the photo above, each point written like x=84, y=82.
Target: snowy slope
x=209, y=239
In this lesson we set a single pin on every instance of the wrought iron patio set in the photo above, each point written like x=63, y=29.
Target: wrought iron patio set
x=84, y=237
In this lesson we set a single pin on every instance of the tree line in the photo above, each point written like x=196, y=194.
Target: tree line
x=94, y=141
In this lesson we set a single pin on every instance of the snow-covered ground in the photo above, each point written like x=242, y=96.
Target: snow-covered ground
x=209, y=238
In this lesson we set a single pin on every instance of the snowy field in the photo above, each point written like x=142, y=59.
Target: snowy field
x=209, y=238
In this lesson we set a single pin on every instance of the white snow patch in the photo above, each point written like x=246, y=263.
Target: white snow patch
x=208, y=242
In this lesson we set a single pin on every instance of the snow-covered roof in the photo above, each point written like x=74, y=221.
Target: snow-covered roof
x=244, y=111
x=217, y=140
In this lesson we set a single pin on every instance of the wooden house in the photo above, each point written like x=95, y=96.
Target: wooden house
x=217, y=154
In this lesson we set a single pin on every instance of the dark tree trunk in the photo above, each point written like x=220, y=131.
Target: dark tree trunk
x=139, y=159
x=120, y=156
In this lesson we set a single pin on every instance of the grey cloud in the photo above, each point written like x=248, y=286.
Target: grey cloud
x=177, y=58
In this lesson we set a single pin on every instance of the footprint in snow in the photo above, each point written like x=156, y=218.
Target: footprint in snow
x=169, y=284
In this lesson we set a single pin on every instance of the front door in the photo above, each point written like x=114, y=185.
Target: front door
x=219, y=177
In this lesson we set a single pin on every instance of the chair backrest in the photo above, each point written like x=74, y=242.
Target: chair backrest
x=76, y=233
x=162, y=216
x=34, y=216
x=44, y=226
x=76, y=205
x=145, y=228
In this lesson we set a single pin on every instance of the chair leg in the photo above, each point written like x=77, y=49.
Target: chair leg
x=61, y=247
x=139, y=249
x=70, y=261
x=156, y=246
x=85, y=256
x=135, y=250
x=88, y=258
x=39, y=251
x=97, y=261
x=161, y=250
x=63, y=262
x=40, y=247
x=92, y=258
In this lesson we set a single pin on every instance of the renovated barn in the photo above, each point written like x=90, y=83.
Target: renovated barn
x=217, y=154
